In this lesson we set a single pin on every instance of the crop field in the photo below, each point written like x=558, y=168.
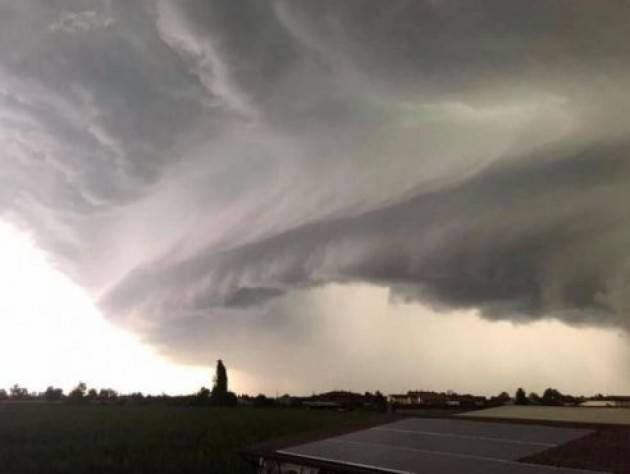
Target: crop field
x=47, y=438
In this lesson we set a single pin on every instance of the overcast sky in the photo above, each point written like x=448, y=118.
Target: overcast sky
x=333, y=194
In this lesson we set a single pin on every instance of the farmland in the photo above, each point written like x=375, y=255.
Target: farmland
x=57, y=438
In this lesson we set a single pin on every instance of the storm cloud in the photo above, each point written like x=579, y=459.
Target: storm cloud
x=212, y=161
x=533, y=239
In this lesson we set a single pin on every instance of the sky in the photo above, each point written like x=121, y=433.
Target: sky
x=361, y=194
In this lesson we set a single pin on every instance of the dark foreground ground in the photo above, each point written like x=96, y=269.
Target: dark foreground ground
x=607, y=449
x=153, y=439
x=45, y=438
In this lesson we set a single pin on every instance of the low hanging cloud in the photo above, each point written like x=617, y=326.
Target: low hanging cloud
x=532, y=239
x=195, y=160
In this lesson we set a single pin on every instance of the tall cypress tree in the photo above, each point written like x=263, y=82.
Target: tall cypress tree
x=221, y=380
x=220, y=395
x=220, y=389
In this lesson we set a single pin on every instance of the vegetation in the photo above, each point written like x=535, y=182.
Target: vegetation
x=550, y=397
x=220, y=395
x=520, y=398
x=159, y=439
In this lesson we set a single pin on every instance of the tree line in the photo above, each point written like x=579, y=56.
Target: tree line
x=218, y=396
x=550, y=397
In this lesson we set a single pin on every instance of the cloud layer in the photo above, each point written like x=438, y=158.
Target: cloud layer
x=198, y=160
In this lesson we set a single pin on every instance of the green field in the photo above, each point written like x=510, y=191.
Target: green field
x=49, y=438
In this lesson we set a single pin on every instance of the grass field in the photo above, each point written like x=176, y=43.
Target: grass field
x=152, y=439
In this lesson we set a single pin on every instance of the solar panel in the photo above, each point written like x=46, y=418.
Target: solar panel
x=435, y=446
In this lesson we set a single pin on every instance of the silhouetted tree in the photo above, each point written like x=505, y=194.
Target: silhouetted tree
x=534, y=398
x=53, y=394
x=18, y=393
x=220, y=394
x=551, y=396
x=521, y=398
x=262, y=401
x=3, y=395
x=220, y=380
x=500, y=399
x=503, y=397
x=231, y=400
x=202, y=397
x=107, y=395
x=78, y=393
x=380, y=402
x=136, y=398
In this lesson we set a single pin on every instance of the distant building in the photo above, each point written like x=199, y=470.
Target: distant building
x=436, y=399
x=402, y=399
x=468, y=401
x=596, y=403
x=608, y=401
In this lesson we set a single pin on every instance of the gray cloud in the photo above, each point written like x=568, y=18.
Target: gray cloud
x=196, y=163
x=532, y=238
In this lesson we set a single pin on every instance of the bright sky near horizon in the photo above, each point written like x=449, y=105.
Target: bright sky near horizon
x=52, y=334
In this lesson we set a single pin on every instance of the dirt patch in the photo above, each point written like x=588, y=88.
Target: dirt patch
x=607, y=449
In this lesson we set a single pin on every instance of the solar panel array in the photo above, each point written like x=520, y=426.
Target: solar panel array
x=442, y=446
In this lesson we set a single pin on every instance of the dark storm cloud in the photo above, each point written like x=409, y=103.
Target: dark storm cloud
x=432, y=49
x=188, y=161
x=530, y=239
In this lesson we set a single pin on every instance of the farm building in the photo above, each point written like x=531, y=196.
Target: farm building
x=436, y=399
x=419, y=398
